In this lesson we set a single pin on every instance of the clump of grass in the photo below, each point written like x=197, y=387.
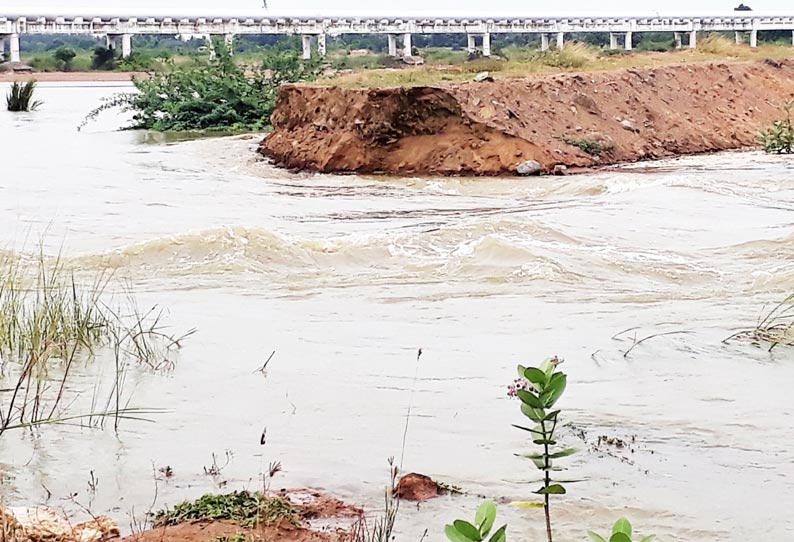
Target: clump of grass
x=20, y=97
x=779, y=138
x=247, y=508
x=592, y=146
x=775, y=327
x=381, y=527
x=717, y=44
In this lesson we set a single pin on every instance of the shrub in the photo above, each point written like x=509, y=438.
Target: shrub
x=104, y=59
x=64, y=56
x=779, y=138
x=20, y=97
x=591, y=146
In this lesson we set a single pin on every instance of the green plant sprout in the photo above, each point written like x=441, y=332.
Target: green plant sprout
x=463, y=531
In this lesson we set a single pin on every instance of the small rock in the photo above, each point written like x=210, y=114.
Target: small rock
x=483, y=76
x=628, y=125
x=529, y=167
x=416, y=487
x=561, y=169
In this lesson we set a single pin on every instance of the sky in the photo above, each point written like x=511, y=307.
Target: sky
x=484, y=7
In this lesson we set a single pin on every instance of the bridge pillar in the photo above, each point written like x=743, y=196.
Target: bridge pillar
x=471, y=44
x=677, y=40
x=3, y=40
x=126, y=45
x=392, y=39
x=613, y=40
x=560, y=40
x=307, y=46
x=13, y=48
x=321, y=46
x=738, y=37
x=228, y=41
x=754, y=38
x=629, y=44
x=486, y=44
x=407, y=48
x=544, y=42
x=693, y=39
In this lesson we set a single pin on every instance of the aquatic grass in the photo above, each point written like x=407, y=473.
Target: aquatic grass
x=380, y=528
x=49, y=323
x=20, y=97
x=774, y=327
x=247, y=508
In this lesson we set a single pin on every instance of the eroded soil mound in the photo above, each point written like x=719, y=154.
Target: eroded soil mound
x=487, y=128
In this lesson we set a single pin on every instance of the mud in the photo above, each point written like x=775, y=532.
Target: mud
x=487, y=128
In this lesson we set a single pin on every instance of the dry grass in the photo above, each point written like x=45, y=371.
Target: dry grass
x=573, y=57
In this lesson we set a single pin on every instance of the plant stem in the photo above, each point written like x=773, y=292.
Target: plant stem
x=547, y=479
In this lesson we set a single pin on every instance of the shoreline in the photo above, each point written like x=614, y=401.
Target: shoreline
x=68, y=77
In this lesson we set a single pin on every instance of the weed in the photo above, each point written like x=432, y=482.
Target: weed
x=621, y=532
x=591, y=146
x=547, y=386
x=238, y=537
x=381, y=528
x=776, y=327
x=779, y=138
x=20, y=97
x=463, y=531
x=249, y=509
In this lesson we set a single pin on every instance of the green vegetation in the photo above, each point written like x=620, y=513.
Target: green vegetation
x=218, y=96
x=621, y=532
x=20, y=97
x=247, y=508
x=463, y=531
x=590, y=145
x=65, y=56
x=779, y=138
x=543, y=387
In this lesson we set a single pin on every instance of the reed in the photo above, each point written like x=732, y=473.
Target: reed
x=20, y=97
x=774, y=327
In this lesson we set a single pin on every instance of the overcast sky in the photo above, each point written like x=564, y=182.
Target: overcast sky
x=527, y=7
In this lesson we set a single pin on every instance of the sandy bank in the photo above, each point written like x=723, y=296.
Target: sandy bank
x=486, y=128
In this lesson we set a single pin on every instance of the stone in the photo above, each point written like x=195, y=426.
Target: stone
x=529, y=167
x=560, y=169
x=628, y=125
x=483, y=76
x=416, y=487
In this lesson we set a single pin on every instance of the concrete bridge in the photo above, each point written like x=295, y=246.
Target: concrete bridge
x=119, y=28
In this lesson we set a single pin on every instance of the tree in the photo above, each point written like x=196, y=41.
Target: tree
x=104, y=59
x=65, y=55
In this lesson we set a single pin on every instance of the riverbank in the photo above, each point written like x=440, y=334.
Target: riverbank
x=68, y=77
x=571, y=120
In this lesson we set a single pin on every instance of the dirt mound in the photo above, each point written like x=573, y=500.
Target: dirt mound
x=487, y=128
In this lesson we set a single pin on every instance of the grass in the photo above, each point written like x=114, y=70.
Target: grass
x=592, y=147
x=49, y=324
x=523, y=61
x=775, y=327
x=249, y=509
x=20, y=97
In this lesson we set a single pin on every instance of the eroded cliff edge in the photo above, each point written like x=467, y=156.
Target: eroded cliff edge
x=487, y=128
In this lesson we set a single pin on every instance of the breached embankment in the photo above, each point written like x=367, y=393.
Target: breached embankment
x=487, y=128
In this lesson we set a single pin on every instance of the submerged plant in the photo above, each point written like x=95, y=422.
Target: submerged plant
x=545, y=386
x=621, y=532
x=775, y=327
x=463, y=531
x=779, y=138
x=20, y=97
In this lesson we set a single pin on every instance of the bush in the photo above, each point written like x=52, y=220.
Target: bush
x=103, y=59
x=215, y=96
x=20, y=97
x=779, y=138
x=64, y=56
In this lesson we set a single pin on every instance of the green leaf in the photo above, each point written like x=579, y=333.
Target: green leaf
x=499, y=535
x=467, y=529
x=456, y=536
x=521, y=370
x=551, y=416
x=536, y=376
x=554, y=390
x=595, y=537
x=648, y=538
x=563, y=453
x=529, y=398
x=620, y=537
x=553, y=489
x=622, y=525
x=485, y=516
x=534, y=414
x=527, y=504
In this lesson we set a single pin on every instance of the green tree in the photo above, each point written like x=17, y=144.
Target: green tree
x=65, y=55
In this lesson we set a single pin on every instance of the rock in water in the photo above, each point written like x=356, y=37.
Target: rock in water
x=530, y=167
x=416, y=487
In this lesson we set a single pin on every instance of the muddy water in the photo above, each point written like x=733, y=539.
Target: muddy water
x=346, y=277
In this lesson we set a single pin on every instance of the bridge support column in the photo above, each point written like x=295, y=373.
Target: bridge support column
x=126, y=45
x=471, y=44
x=407, y=48
x=693, y=39
x=486, y=44
x=392, y=41
x=307, y=46
x=754, y=38
x=228, y=41
x=677, y=40
x=3, y=41
x=544, y=42
x=560, y=40
x=738, y=37
x=321, y=44
x=629, y=44
x=13, y=48
x=613, y=40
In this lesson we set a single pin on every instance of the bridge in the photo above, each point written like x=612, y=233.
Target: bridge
x=119, y=28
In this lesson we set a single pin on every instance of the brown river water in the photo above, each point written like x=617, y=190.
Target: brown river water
x=345, y=277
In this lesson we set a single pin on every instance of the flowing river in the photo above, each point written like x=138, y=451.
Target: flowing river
x=346, y=277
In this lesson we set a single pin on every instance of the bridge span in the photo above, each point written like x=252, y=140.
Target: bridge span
x=119, y=28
